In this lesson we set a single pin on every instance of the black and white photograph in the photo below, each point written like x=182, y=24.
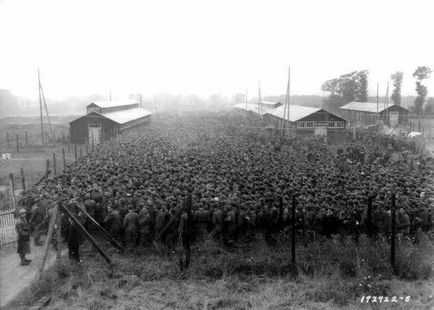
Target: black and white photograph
x=207, y=155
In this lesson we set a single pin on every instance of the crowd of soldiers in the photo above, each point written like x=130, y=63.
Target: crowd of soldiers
x=241, y=179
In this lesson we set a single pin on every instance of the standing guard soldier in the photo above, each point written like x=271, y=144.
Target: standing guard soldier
x=23, y=230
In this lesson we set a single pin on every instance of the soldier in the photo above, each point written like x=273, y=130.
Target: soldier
x=403, y=223
x=36, y=221
x=74, y=238
x=230, y=227
x=89, y=205
x=218, y=223
x=131, y=222
x=200, y=223
x=113, y=220
x=161, y=220
x=145, y=227
x=23, y=230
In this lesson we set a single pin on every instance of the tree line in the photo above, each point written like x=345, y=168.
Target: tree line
x=353, y=86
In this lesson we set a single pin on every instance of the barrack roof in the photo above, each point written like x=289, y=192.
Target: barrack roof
x=371, y=107
x=110, y=104
x=125, y=116
x=296, y=112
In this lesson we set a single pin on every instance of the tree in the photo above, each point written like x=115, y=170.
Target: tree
x=421, y=73
x=346, y=88
x=429, y=106
x=361, y=80
x=397, y=78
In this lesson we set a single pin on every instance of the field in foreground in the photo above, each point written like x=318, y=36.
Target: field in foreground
x=331, y=274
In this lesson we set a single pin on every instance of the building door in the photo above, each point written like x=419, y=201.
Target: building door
x=94, y=133
x=393, y=118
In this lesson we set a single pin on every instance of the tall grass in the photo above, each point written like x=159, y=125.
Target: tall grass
x=332, y=273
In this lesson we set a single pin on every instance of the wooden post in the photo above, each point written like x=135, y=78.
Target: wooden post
x=75, y=151
x=81, y=152
x=27, y=139
x=369, y=216
x=393, y=233
x=69, y=150
x=23, y=180
x=18, y=145
x=54, y=164
x=189, y=228
x=64, y=160
x=48, y=239
x=93, y=144
x=280, y=222
x=293, y=232
x=47, y=168
x=87, y=148
x=7, y=139
x=72, y=217
x=12, y=186
x=59, y=233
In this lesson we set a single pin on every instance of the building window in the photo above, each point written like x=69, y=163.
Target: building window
x=320, y=124
x=332, y=124
x=301, y=125
x=340, y=124
x=94, y=125
x=309, y=125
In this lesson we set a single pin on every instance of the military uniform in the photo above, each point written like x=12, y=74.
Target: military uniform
x=200, y=223
x=23, y=231
x=145, y=227
x=113, y=219
x=36, y=221
x=131, y=222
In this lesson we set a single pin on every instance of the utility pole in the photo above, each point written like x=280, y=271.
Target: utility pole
x=40, y=108
x=260, y=100
x=286, y=104
x=246, y=99
x=378, y=114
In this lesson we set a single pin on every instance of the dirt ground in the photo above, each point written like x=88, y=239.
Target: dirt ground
x=13, y=277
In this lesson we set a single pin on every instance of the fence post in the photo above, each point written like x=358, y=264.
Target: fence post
x=48, y=239
x=27, y=139
x=54, y=164
x=189, y=228
x=294, y=201
x=23, y=180
x=12, y=185
x=393, y=233
x=81, y=152
x=64, y=160
x=7, y=139
x=18, y=146
x=47, y=168
x=75, y=151
x=369, y=216
x=58, y=233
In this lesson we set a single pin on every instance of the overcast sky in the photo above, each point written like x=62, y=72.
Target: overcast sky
x=203, y=47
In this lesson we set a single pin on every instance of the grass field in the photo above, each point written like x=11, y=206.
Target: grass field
x=32, y=157
x=330, y=274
